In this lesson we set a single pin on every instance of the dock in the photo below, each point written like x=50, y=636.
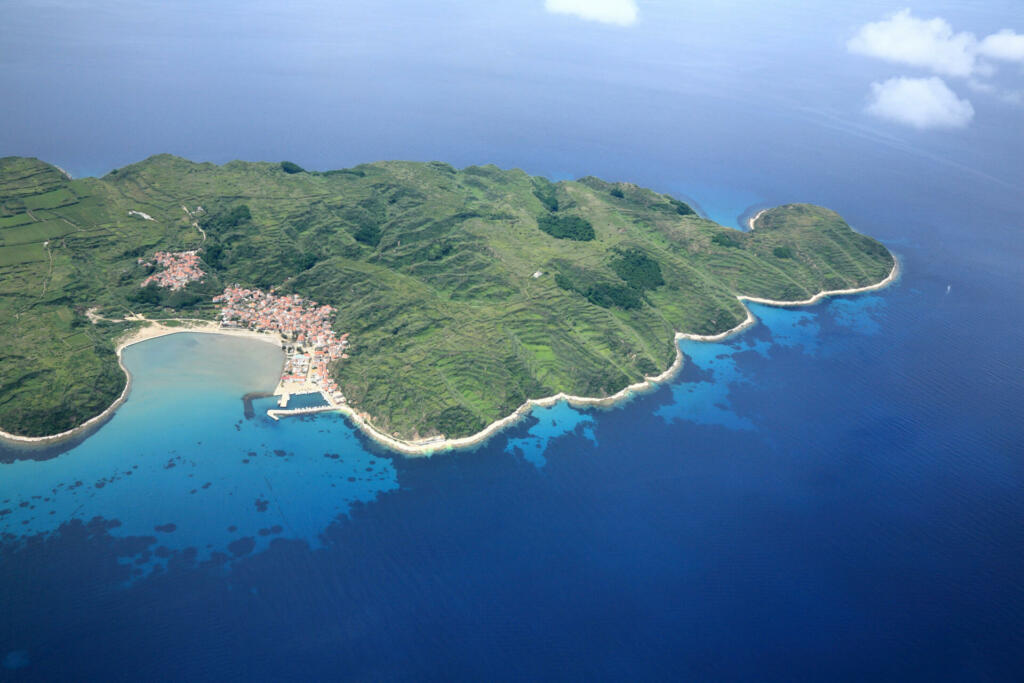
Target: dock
x=331, y=403
x=276, y=414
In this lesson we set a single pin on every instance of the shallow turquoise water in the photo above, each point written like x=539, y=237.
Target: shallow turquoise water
x=551, y=423
x=795, y=473
x=834, y=495
x=179, y=462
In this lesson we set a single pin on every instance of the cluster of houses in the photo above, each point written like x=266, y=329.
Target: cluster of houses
x=304, y=323
x=179, y=269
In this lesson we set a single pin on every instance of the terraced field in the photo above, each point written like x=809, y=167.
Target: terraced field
x=465, y=291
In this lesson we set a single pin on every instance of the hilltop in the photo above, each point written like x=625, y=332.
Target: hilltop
x=465, y=292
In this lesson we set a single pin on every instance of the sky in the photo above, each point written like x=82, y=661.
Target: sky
x=620, y=88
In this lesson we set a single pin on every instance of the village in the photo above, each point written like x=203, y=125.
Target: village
x=305, y=328
x=180, y=268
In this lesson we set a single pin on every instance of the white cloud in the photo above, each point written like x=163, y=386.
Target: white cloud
x=1005, y=45
x=621, y=12
x=919, y=102
x=928, y=43
x=932, y=44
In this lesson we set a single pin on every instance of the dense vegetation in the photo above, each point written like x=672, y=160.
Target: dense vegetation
x=566, y=227
x=682, y=208
x=291, y=167
x=431, y=269
x=638, y=269
x=546, y=193
x=724, y=240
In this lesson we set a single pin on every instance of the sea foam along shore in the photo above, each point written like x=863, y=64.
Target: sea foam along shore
x=428, y=447
x=151, y=331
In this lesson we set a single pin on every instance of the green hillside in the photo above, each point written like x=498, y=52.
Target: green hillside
x=431, y=269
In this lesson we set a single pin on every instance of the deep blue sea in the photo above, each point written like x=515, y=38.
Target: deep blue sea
x=836, y=494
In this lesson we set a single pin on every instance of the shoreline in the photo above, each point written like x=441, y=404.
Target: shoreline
x=753, y=219
x=153, y=330
x=427, y=447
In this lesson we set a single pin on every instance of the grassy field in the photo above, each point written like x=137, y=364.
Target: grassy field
x=434, y=272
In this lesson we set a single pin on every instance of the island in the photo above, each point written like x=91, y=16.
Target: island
x=430, y=304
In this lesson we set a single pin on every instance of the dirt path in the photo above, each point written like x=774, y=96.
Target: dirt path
x=195, y=223
x=94, y=317
x=49, y=274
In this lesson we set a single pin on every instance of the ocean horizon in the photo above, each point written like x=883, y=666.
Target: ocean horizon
x=836, y=493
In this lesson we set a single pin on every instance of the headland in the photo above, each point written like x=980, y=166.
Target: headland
x=430, y=304
x=430, y=446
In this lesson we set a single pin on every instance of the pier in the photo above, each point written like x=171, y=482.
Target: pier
x=303, y=399
x=276, y=414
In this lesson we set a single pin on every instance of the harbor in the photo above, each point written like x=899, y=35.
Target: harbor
x=310, y=344
x=301, y=404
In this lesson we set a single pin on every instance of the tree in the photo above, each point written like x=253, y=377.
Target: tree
x=567, y=227
x=150, y=294
x=638, y=269
x=545, y=192
x=682, y=208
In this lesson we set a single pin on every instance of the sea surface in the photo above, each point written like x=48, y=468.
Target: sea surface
x=835, y=494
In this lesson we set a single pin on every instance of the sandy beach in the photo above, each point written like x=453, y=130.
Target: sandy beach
x=158, y=329
x=151, y=331
x=750, y=223
x=427, y=447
